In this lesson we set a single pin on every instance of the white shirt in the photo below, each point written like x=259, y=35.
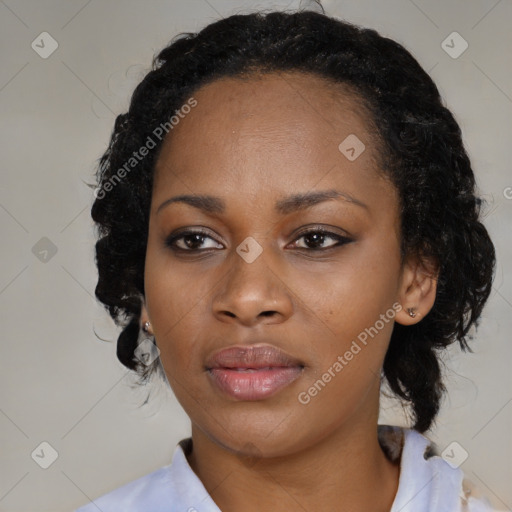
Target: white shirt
x=426, y=484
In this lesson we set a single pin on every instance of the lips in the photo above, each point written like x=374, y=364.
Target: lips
x=252, y=372
x=252, y=356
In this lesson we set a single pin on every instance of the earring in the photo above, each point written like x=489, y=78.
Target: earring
x=411, y=312
x=146, y=351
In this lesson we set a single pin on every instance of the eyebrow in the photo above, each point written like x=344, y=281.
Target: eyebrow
x=290, y=204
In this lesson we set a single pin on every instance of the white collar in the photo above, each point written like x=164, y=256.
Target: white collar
x=427, y=482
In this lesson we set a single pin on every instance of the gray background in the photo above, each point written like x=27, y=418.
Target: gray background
x=60, y=384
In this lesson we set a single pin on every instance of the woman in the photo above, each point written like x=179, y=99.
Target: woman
x=287, y=212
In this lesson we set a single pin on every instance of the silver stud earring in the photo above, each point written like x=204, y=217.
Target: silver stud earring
x=412, y=312
x=145, y=327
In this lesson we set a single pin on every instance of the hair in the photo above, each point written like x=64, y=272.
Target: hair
x=421, y=153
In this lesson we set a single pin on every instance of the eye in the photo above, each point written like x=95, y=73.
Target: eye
x=194, y=240
x=317, y=238
x=191, y=241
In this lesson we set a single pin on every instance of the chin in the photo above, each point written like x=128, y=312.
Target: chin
x=258, y=435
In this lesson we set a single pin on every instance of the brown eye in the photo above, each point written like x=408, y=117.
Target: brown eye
x=190, y=241
x=316, y=240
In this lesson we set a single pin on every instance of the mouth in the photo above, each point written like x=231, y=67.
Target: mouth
x=252, y=372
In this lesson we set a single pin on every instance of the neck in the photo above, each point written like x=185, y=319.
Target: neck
x=336, y=473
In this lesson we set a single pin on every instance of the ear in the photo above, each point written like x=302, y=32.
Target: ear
x=417, y=289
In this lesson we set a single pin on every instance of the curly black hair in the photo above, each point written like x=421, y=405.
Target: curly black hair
x=421, y=153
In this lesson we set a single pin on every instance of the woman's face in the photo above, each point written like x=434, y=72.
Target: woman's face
x=269, y=152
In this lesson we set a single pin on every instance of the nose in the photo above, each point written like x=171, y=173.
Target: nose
x=252, y=293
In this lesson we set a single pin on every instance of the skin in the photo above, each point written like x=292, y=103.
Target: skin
x=253, y=142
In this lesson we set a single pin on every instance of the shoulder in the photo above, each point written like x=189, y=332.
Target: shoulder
x=427, y=481
x=151, y=490
x=172, y=487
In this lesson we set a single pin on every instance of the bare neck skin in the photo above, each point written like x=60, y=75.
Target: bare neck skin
x=347, y=470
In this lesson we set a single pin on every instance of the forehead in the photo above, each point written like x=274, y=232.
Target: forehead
x=283, y=127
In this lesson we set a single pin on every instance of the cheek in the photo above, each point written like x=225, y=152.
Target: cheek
x=175, y=290
x=175, y=301
x=349, y=294
x=349, y=313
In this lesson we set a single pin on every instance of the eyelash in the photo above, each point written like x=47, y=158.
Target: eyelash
x=341, y=240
